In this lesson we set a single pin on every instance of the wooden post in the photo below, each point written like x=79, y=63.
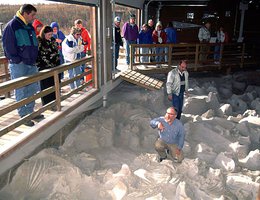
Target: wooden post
x=221, y=55
x=57, y=90
x=197, y=56
x=169, y=55
x=7, y=77
x=131, y=56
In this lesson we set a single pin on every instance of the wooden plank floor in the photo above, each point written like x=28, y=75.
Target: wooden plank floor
x=13, y=116
x=141, y=80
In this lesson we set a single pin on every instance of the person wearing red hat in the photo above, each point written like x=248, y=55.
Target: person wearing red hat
x=37, y=25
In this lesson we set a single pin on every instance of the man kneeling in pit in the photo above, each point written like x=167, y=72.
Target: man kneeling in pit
x=171, y=136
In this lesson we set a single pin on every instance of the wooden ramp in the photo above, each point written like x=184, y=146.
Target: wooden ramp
x=142, y=80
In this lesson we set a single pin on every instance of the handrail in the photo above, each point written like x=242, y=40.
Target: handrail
x=238, y=53
x=4, y=76
x=10, y=85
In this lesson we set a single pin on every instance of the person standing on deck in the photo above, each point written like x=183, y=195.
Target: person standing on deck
x=21, y=49
x=221, y=38
x=145, y=37
x=171, y=37
x=177, y=85
x=86, y=41
x=118, y=42
x=204, y=37
x=59, y=37
x=159, y=37
x=151, y=29
x=130, y=33
x=37, y=25
x=48, y=57
x=72, y=47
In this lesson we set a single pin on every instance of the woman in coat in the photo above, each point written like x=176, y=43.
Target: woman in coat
x=48, y=57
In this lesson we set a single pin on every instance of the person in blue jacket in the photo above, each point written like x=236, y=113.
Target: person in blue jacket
x=21, y=49
x=59, y=37
x=171, y=37
x=171, y=136
x=145, y=37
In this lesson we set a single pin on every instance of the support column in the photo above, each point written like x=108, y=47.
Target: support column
x=243, y=7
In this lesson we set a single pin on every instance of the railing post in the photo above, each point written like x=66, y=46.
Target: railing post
x=221, y=55
x=169, y=55
x=57, y=90
x=7, y=77
x=131, y=56
x=197, y=56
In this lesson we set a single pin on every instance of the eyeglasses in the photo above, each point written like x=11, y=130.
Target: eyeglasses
x=78, y=34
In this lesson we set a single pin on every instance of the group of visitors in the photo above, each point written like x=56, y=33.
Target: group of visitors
x=31, y=46
x=205, y=37
x=171, y=131
x=147, y=35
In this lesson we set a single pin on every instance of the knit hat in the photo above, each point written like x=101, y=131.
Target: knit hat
x=132, y=16
x=159, y=23
x=117, y=19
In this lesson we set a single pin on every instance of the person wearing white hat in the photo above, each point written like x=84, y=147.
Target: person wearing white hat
x=159, y=37
x=118, y=41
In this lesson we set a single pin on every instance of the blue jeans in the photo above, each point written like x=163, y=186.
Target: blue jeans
x=127, y=48
x=217, y=56
x=72, y=73
x=144, y=59
x=17, y=71
x=82, y=67
x=177, y=102
x=157, y=51
x=117, y=47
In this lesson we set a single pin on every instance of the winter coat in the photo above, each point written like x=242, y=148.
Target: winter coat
x=71, y=47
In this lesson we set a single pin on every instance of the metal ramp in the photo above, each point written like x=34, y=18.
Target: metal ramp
x=141, y=80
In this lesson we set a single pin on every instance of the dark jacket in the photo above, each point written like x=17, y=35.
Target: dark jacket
x=48, y=56
x=118, y=38
x=145, y=37
x=20, y=42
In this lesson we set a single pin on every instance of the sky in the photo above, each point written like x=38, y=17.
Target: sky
x=24, y=1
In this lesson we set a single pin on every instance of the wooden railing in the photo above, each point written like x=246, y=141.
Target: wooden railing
x=4, y=73
x=237, y=54
x=9, y=86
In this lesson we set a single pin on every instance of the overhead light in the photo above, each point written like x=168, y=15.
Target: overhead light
x=189, y=5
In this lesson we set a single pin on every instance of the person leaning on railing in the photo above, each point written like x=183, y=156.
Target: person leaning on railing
x=21, y=49
x=159, y=37
x=72, y=47
x=48, y=57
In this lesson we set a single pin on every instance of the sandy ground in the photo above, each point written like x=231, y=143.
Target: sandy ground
x=110, y=155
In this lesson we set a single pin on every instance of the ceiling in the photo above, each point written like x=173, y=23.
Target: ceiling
x=251, y=3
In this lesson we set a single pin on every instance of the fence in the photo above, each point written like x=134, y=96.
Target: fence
x=229, y=54
x=7, y=87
